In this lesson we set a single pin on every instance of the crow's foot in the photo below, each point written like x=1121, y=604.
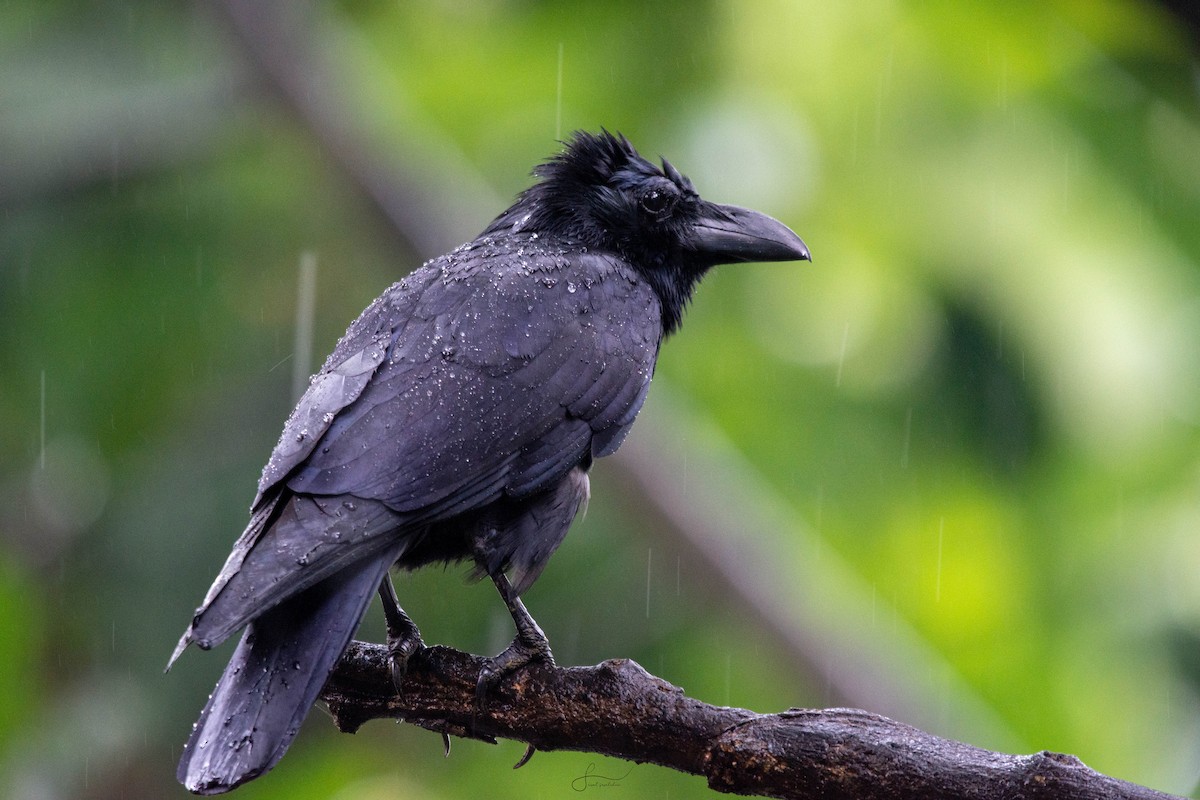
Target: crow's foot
x=403, y=638
x=529, y=646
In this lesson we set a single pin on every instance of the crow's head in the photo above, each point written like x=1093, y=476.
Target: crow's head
x=600, y=194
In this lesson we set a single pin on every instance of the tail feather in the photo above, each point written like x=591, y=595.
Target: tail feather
x=274, y=677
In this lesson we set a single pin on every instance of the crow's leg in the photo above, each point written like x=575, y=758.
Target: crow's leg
x=529, y=645
x=403, y=638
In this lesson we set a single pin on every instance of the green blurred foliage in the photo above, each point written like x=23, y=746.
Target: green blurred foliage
x=983, y=394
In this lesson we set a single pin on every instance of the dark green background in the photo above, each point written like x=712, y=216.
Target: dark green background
x=959, y=450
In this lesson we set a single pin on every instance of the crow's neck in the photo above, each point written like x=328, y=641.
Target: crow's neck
x=674, y=284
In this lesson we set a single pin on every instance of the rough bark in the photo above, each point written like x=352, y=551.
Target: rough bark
x=618, y=709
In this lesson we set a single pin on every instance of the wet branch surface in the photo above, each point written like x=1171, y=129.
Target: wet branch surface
x=618, y=709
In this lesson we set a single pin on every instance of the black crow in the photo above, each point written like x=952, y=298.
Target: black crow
x=457, y=420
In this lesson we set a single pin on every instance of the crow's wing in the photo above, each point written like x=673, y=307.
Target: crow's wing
x=498, y=377
x=506, y=375
x=345, y=374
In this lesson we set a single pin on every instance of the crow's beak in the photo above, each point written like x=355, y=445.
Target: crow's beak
x=728, y=234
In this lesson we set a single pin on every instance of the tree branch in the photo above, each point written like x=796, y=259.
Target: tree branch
x=618, y=709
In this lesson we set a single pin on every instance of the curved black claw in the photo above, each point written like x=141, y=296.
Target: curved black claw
x=529, y=751
x=400, y=650
x=525, y=649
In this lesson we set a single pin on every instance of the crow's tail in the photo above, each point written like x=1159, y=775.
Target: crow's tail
x=274, y=677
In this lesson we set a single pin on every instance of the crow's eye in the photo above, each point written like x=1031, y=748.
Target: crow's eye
x=658, y=203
